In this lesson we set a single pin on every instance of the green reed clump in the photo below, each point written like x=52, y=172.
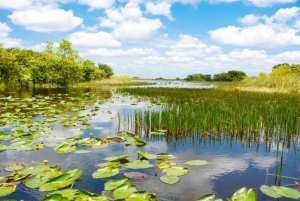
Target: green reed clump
x=243, y=114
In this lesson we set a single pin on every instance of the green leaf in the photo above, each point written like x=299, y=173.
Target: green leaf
x=208, y=197
x=269, y=191
x=169, y=179
x=105, y=172
x=7, y=189
x=165, y=156
x=100, y=145
x=3, y=147
x=15, y=167
x=113, y=184
x=164, y=164
x=286, y=192
x=55, y=197
x=65, y=147
x=245, y=194
x=116, y=158
x=146, y=154
x=36, y=182
x=176, y=171
x=138, y=164
x=63, y=180
x=113, y=164
x=124, y=191
x=141, y=196
x=68, y=193
x=196, y=162
x=157, y=133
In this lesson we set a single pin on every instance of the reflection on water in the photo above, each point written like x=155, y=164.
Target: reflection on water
x=233, y=163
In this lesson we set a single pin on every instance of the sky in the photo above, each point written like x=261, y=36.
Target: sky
x=161, y=38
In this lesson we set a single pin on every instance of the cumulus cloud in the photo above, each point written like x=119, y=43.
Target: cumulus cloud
x=120, y=52
x=4, y=39
x=190, y=46
x=17, y=4
x=273, y=32
x=222, y=1
x=46, y=19
x=98, y=4
x=97, y=39
x=162, y=8
x=268, y=3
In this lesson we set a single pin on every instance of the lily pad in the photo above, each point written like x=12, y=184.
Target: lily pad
x=176, y=171
x=105, y=172
x=141, y=196
x=65, y=147
x=124, y=191
x=116, y=158
x=7, y=189
x=208, y=197
x=113, y=184
x=165, y=156
x=55, y=197
x=61, y=181
x=146, y=154
x=113, y=164
x=245, y=194
x=15, y=167
x=82, y=151
x=169, y=179
x=68, y=193
x=286, y=192
x=196, y=162
x=138, y=164
x=3, y=147
x=165, y=164
x=135, y=175
x=269, y=191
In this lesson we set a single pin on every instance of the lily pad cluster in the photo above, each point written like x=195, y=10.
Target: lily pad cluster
x=280, y=191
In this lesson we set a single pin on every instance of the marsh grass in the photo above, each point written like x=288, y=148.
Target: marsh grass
x=289, y=83
x=224, y=114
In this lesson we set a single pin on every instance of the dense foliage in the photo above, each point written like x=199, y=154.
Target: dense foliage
x=231, y=75
x=54, y=66
x=284, y=77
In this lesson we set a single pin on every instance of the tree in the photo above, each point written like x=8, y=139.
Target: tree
x=107, y=69
x=232, y=75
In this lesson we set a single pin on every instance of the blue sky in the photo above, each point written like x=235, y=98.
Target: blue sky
x=161, y=38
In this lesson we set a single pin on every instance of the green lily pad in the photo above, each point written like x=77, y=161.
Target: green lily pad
x=138, y=164
x=3, y=147
x=15, y=167
x=7, y=189
x=196, y=162
x=68, y=193
x=116, y=158
x=141, y=196
x=85, y=195
x=105, y=172
x=269, y=191
x=55, y=197
x=176, y=171
x=157, y=133
x=137, y=142
x=100, y=145
x=146, y=154
x=286, y=192
x=164, y=164
x=245, y=194
x=113, y=184
x=61, y=181
x=113, y=164
x=65, y=147
x=36, y=182
x=165, y=156
x=169, y=179
x=208, y=197
x=124, y=191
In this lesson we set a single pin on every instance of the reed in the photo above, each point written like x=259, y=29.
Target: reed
x=243, y=115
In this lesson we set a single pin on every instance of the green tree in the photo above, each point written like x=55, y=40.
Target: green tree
x=107, y=69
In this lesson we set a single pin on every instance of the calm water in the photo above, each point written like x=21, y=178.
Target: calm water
x=232, y=165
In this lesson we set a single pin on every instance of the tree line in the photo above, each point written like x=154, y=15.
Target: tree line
x=232, y=75
x=59, y=66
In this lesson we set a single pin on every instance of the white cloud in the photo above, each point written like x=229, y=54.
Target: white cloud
x=16, y=4
x=90, y=28
x=189, y=46
x=288, y=56
x=274, y=32
x=267, y=3
x=222, y=1
x=4, y=39
x=285, y=14
x=297, y=24
x=98, y=4
x=46, y=19
x=250, y=19
x=120, y=52
x=138, y=30
x=98, y=39
x=162, y=8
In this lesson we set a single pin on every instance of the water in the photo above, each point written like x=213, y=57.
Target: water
x=232, y=164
